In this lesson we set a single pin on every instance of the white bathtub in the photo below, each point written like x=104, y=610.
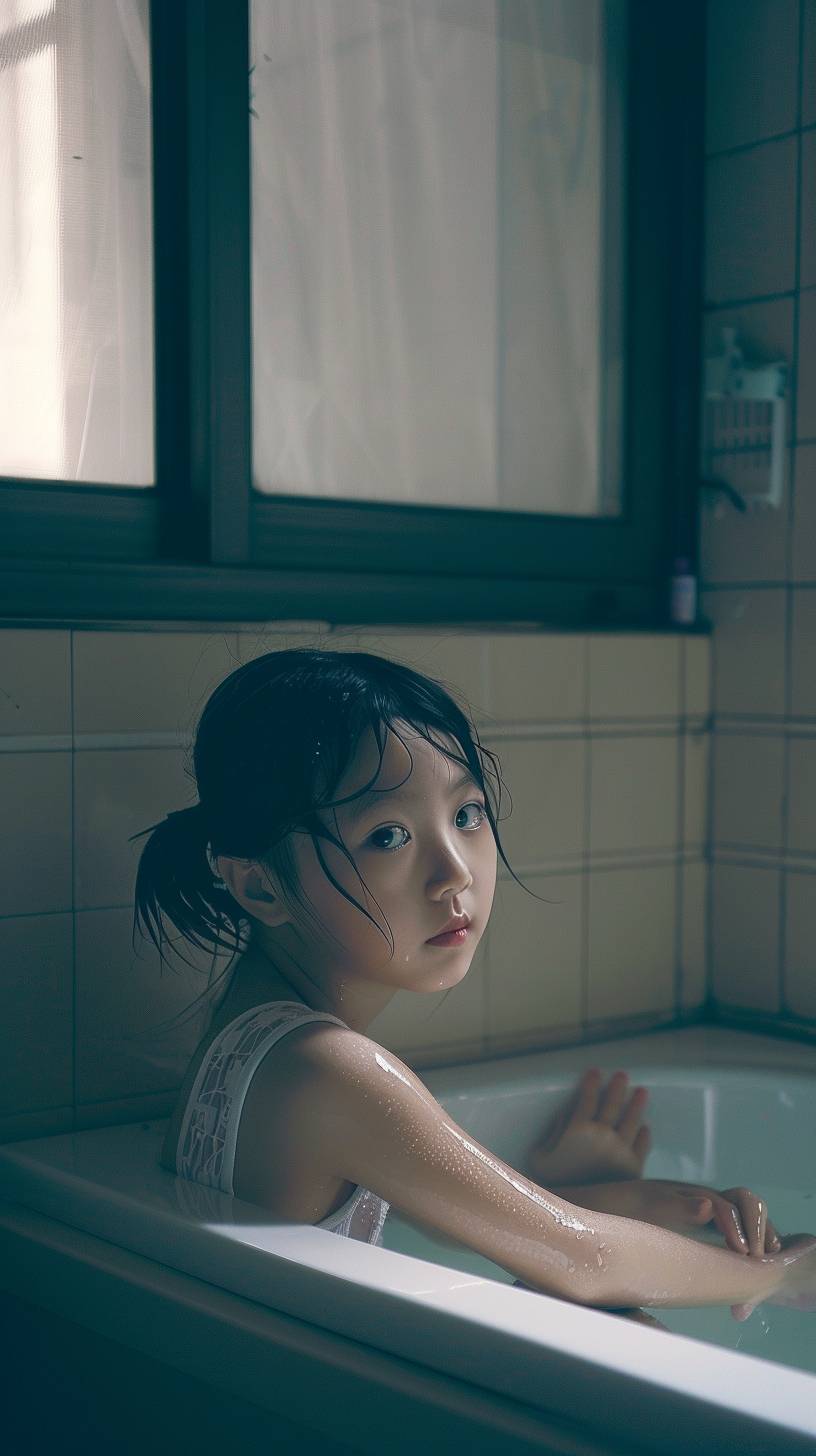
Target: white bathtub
x=420, y=1351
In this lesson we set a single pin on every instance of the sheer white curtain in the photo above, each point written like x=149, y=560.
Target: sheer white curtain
x=76, y=277
x=427, y=248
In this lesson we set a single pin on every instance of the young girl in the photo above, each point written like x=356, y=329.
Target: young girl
x=347, y=819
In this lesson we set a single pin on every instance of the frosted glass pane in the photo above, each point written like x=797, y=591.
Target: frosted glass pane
x=76, y=298
x=431, y=232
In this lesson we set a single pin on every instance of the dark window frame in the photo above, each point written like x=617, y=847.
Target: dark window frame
x=203, y=545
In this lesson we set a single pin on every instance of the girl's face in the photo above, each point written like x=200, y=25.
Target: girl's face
x=424, y=848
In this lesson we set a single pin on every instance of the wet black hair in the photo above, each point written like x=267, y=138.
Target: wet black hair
x=273, y=742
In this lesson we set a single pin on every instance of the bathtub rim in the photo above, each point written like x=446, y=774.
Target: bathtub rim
x=726, y=1387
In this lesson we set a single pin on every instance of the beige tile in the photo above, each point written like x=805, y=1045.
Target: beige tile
x=803, y=654
x=634, y=676
x=36, y=1031
x=280, y=637
x=807, y=255
x=694, y=925
x=755, y=58
x=35, y=848
x=696, y=753
x=745, y=936
x=535, y=677
x=454, y=657
x=534, y=957
x=749, y=650
x=35, y=669
x=802, y=796
x=803, y=566
x=697, y=674
x=547, y=784
x=806, y=394
x=415, y=1022
x=748, y=789
x=745, y=546
x=122, y=993
x=631, y=941
x=119, y=792
x=800, y=942
x=127, y=682
x=750, y=227
x=634, y=794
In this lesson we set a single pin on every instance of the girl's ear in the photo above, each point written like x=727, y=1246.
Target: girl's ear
x=253, y=889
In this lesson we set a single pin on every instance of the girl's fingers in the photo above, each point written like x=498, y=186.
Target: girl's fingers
x=753, y=1216
x=727, y=1218
x=586, y=1100
x=613, y=1099
x=773, y=1242
x=630, y=1117
x=742, y=1312
x=642, y=1143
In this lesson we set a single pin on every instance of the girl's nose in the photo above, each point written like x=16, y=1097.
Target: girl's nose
x=450, y=873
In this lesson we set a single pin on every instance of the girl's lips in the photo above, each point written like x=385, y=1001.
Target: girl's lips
x=451, y=937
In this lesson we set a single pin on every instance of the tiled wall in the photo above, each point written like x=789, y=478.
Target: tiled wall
x=760, y=569
x=603, y=743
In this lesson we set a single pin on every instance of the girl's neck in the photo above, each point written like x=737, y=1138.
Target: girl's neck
x=258, y=978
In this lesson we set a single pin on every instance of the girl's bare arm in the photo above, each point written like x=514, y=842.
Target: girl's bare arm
x=371, y=1121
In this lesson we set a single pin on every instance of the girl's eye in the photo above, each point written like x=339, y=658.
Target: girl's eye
x=388, y=830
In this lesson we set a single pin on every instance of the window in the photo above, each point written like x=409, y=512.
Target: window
x=76, y=338
x=418, y=313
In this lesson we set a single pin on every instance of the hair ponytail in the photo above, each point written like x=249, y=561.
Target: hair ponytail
x=176, y=879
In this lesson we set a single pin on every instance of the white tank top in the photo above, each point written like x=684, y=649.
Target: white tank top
x=208, y=1135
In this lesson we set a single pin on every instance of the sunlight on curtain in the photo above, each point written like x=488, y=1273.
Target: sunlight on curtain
x=428, y=254
x=76, y=296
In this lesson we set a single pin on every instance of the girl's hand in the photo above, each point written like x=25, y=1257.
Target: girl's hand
x=797, y=1288
x=740, y=1216
x=598, y=1135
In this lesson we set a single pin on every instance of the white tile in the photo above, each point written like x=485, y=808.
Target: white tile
x=118, y=793
x=536, y=677
x=35, y=673
x=746, y=546
x=36, y=1028
x=414, y=1022
x=547, y=783
x=806, y=390
x=800, y=941
x=694, y=927
x=804, y=529
x=35, y=848
x=807, y=254
x=634, y=794
x=748, y=784
x=696, y=754
x=802, y=796
x=750, y=222
x=127, y=682
x=809, y=63
x=803, y=654
x=631, y=941
x=749, y=650
x=534, y=955
x=751, y=70
x=122, y=996
x=697, y=667
x=745, y=936
x=634, y=675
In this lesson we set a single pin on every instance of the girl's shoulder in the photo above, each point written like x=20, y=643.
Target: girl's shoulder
x=276, y=1077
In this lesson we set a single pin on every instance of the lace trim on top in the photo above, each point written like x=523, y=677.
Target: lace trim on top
x=209, y=1130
